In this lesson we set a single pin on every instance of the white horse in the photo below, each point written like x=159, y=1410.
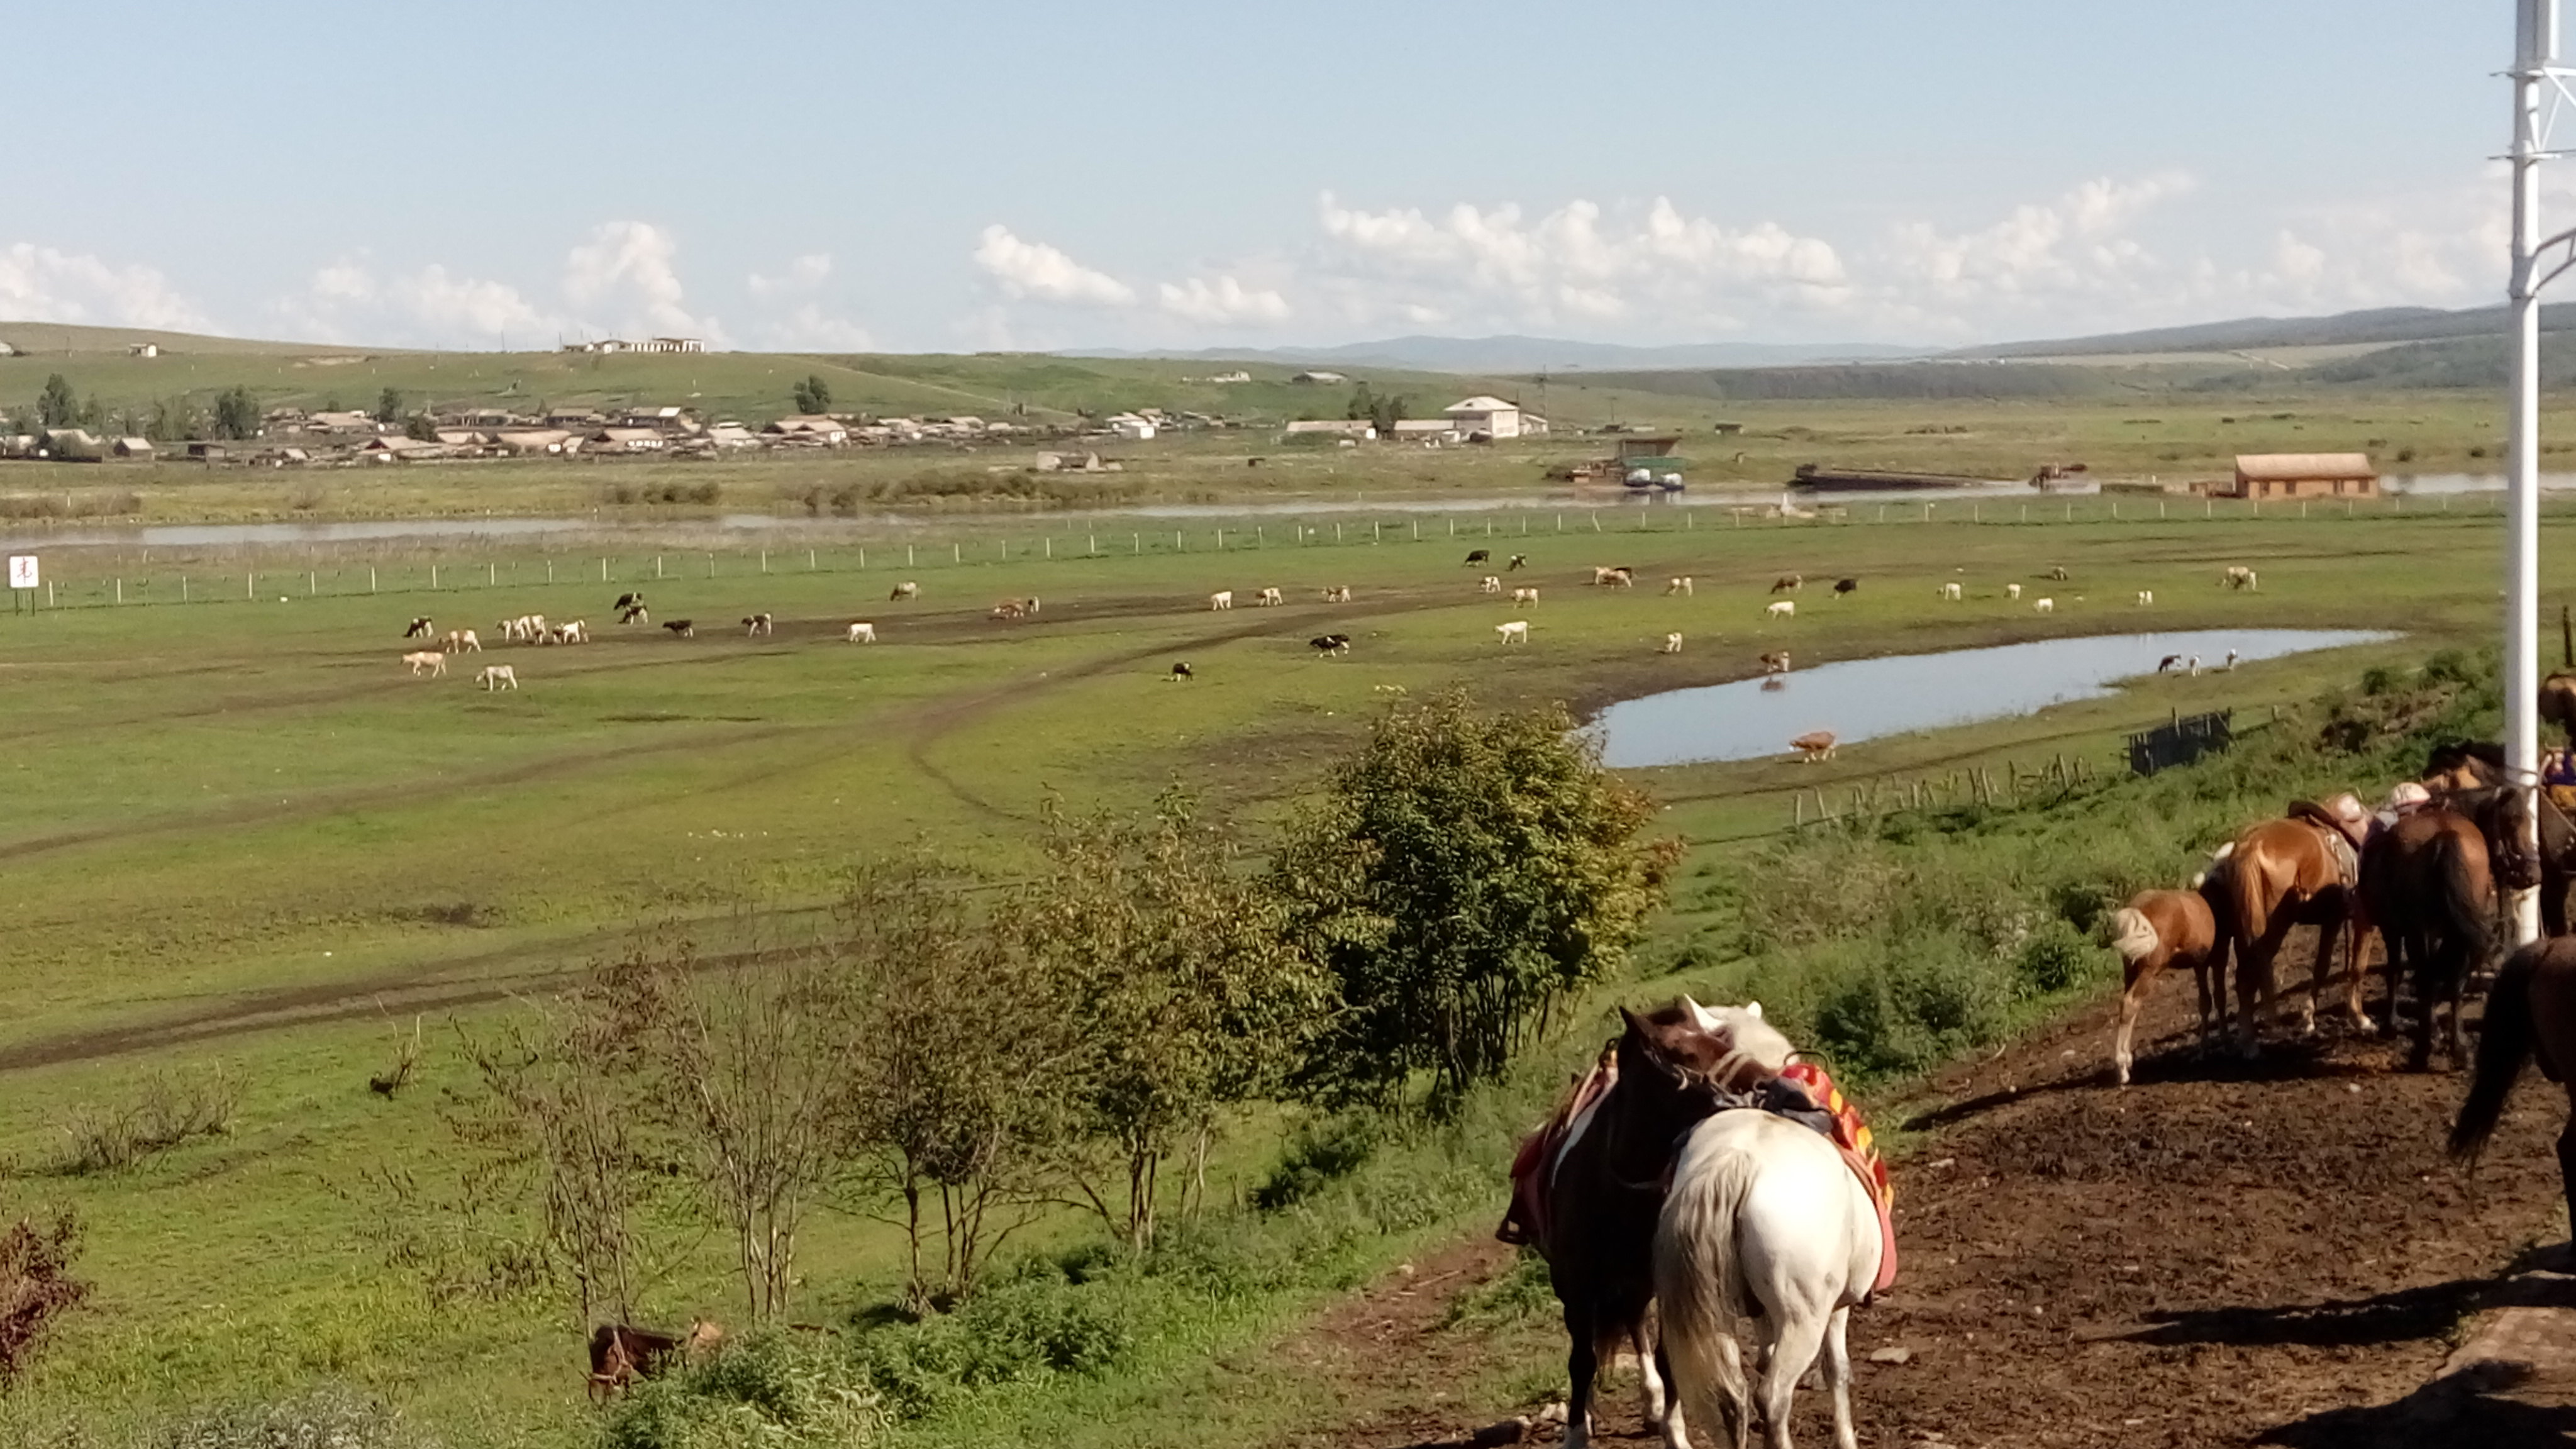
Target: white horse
x=1765, y=1236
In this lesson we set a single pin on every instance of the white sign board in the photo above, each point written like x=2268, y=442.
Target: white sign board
x=22, y=571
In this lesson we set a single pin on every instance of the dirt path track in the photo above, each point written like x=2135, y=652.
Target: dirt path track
x=2219, y=1255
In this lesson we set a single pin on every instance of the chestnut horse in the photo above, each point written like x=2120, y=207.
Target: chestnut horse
x=1605, y=1185
x=2531, y=1013
x=2283, y=873
x=2427, y=885
x=2157, y=929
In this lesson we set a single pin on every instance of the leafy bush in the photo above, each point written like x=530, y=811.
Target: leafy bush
x=169, y=1109
x=1012, y=1333
x=2056, y=957
x=330, y=1418
x=768, y=1390
x=36, y=1287
x=1318, y=1153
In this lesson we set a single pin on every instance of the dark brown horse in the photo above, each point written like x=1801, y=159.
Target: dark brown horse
x=1601, y=1185
x=2278, y=875
x=2531, y=1014
x=2426, y=884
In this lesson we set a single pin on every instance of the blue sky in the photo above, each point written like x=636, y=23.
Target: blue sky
x=1138, y=173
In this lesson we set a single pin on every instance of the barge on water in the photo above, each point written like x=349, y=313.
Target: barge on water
x=1853, y=480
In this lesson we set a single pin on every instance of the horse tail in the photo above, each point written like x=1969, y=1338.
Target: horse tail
x=2465, y=901
x=2503, y=1046
x=2133, y=935
x=1699, y=1285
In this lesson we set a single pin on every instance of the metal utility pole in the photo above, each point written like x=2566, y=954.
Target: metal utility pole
x=2535, y=73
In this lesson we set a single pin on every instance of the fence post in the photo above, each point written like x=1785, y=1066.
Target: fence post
x=183, y=588
x=957, y=553
x=433, y=577
x=371, y=578
x=491, y=574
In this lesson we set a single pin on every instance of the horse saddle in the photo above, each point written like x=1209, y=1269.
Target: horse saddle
x=1851, y=1137
x=1525, y=1221
x=2344, y=822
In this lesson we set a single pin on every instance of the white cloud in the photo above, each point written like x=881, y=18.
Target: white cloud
x=810, y=329
x=625, y=279
x=1576, y=265
x=42, y=284
x=804, y=274
x=347, y=302
x=1039, y=271
x=1223, y=301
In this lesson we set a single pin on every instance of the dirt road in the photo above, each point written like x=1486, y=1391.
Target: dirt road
x=2218, y=1255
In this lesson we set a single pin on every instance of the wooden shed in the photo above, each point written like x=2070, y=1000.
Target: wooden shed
x=2305, y=475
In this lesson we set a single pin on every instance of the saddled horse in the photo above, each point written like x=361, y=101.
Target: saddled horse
x=1589, y=1201
x=2426, y=883
x=2298, y=870
x=2531, y=1014
x=1768, y=1238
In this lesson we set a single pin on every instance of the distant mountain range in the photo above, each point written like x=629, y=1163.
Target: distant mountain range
x=2379, y=326
x=1517, y=355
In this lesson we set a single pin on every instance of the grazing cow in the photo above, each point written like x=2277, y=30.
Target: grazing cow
x=497, y=676
x=1845, y=586
x=2012, y=591
x=1788, y=583
x=1784, y=609
x=1623, y=577
x=2046, y=606
x=2194, y=666
x=2231, y=659
x=635, y=613
x=863, y=633
x=1814, y=746
x=2168, y=664
x=1950, y=593
x=682, y=628
x=419, y=629
x=1515, y=632
x=2238, y=576
x=2146, y=596
x=1270, y=597
x=1776, y=662
x=1519, y=561
x=1180, y=671
x=576, y=632
x=621, y=1353
x=1489, y=584
x=1338, y=594
x=1015, y=608
x=1479, y=556
x=757, y=624
x=905, y=591
x=628, y=600
x=1524, y=596
x=1330, y=644
x=1678, y=584
x=1672, y=644
x=2058, y=573
x=536, y=626
x=459, y=641
x=428, y=661
x=1221, y=599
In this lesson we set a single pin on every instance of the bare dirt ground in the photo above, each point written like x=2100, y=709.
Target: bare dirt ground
x=2222, y=1254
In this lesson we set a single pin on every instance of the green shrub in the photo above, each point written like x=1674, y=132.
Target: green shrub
x=1320, y=1152
x=768, y=1390
x=2056, y=957
x=1015, y=1332
x=330, y=1418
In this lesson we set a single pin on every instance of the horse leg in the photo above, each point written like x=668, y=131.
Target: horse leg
x=2321, y=966
x=1663, y=1405
x=2133, y=996
x=1801, y=1332
x=1838, y=1376
x=2428, y=963
x=2567, y=1163
x=1582, y=1362
x=2253, y=988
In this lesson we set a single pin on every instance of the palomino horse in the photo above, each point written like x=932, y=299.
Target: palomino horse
x=1591, y=1207
x=1765, y=1235
x=2282, y=873
x=2157, y=929
x=2531, y=1013
x=2425, y=883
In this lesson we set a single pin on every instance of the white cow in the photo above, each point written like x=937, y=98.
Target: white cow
x=2012, y=591
x=459, y=641
x=1672, y=643
x=905, y=591
x=427, y=661
x=863, y=633
x=498, y=676
x=1338, y=594
x=1221, y=599
x=1489, y=584
x=1524, y=596
x=1950, y=593
x=1678, y=584
x=2046, y=606
x=1270, y=597
x=2146, y=596
x=576, y=632
x=1784, y=609
x=1515, y=632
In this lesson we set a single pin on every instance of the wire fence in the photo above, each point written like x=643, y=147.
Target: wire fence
x=92, y=576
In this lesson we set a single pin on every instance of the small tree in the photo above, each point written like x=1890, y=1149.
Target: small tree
x=1184, y=990
x=813, y=395
x=56, y=407
x=956, y=1097
x=236, y=414
x=36, y=1288
x=1380, y=410
x=1464, y=871
x=421, y=427
x=389, y=406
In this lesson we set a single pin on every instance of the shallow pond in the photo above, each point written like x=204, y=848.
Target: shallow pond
x=1862, y=699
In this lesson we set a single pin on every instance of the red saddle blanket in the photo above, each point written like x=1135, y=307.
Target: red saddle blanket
x=1852, y=1139
x=1526, y=1220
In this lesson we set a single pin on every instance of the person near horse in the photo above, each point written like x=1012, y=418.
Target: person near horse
x=1588, y=1186
x=2531, y=1015
x=2297, y=870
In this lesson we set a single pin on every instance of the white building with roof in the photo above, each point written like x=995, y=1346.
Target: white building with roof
x=1490, y=416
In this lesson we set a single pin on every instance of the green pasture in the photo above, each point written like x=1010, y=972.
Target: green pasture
x=240, y=832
